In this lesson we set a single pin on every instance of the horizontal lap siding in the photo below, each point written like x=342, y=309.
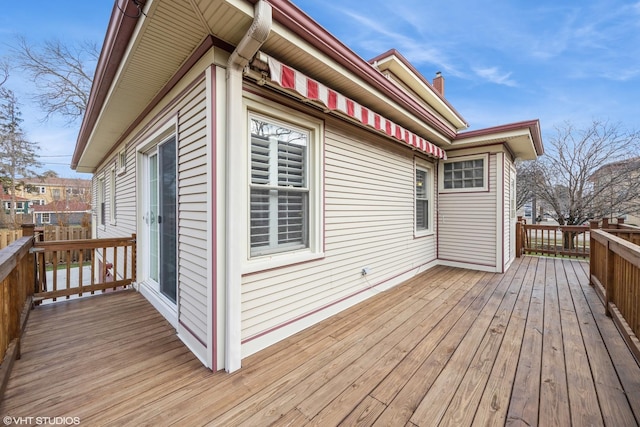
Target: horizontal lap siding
x=125, y=209
x=193, y=211
x=467, y=224
x=368, y=223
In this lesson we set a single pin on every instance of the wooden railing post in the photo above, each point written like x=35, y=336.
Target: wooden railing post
x=519, y=238
x=605, y=223
x=593, y=224
x=609, y=278
x=620, y=220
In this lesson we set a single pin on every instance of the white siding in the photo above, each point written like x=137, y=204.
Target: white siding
x=467, y=224
x=193, y=212
x=507, y=211
x=368, y=223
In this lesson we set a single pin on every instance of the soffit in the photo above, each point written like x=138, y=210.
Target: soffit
x=173, y=30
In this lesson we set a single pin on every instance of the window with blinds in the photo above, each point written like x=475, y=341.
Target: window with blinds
x=279, y=191
x=422, y=200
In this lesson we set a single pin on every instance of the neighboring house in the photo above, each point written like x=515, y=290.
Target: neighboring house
x=21, y=207
x=618, y=194
x=62, y=213
x=41, y=191
x=275, y=178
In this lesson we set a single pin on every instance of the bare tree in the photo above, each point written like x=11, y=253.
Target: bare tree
x=17, y=154
x=62, y=75
x=571, y=177
x=4, y=71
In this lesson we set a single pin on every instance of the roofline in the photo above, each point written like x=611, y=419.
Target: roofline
x=422, y=78
x=532, y=125
x=301, y=24
x=119, y=32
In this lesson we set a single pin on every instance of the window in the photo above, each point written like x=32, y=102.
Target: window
x=122, y=162
x=19, y=205
x=465, y=174
x=42, y=190
x=45, y=218
x=112, y=196
x=55, y=192
x=279, y=187
x=101, y=202
x=423, y=198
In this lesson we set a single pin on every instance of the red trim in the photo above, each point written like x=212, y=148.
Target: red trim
x=119, y=32
x=192, y=333
x=331, y=304
x=467, y=262
x=214, y=219
x=532, y=125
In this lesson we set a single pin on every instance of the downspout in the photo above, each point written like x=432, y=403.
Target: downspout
x=235, y=188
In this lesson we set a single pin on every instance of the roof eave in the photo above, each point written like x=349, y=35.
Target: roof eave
x=121, y=28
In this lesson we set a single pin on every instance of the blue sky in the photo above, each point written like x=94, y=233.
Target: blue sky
x=503, y=61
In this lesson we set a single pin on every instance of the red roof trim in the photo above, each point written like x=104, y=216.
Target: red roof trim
x=116, y=40
x=532, y=125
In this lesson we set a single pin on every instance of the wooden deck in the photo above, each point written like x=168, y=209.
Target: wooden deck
x=450, y=347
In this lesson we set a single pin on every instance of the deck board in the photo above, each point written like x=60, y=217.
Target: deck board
x=449, y=347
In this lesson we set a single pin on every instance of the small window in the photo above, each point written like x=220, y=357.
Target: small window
x=19, y=205
x=279, y=205
x=101, y=202
x=423, y=199
x=45, y=218
x=55, y=193
x=122, y=162
x=468, y=174
x=112, y=197
x=42, y=190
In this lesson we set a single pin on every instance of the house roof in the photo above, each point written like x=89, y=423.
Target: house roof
x=7, y=198
x=145, y=55
x=63, y=206
x=522, y=138
x=58, y=182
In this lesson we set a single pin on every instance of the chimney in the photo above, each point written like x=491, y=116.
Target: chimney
x=438, y=83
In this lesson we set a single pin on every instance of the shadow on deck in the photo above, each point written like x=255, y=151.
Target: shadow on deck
x=449, y=347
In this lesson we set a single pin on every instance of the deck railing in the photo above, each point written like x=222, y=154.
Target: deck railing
x=79, y=267
x=17, y=272
x=553, y=240
x=32, y=271
x=615, y=274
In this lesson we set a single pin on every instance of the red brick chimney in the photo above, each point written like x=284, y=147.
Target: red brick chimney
x=438, y=83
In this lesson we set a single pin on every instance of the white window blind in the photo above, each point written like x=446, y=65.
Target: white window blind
x=279, y=212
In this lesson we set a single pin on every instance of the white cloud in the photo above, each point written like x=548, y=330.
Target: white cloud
x=494, y=75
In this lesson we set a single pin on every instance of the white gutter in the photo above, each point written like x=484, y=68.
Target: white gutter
x=235, y=188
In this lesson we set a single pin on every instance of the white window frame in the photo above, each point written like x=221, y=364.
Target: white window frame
x=112, y=196
x=42, y=218
x=427, y=167
x=278, y=114
x=42, y=190
x=102, y=218
x=122, y=162
x=485, y=178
